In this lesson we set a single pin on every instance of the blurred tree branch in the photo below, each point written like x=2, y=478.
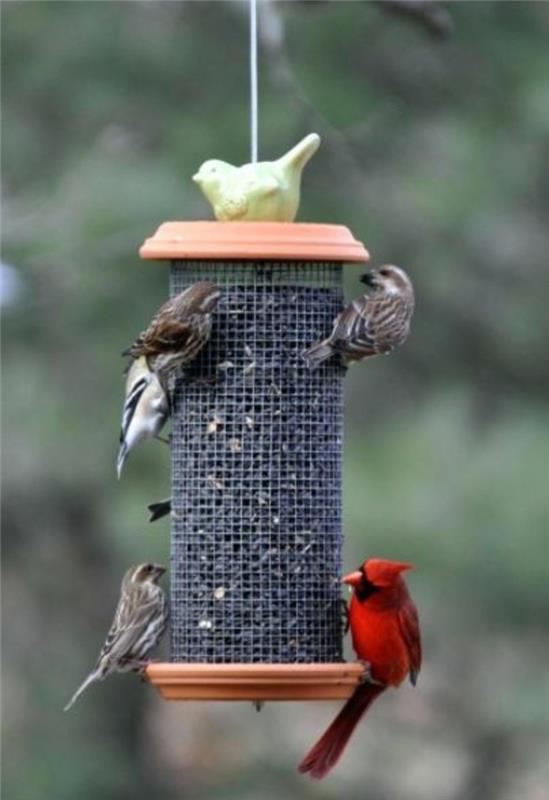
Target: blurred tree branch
x=272, y=34
x=429, y=14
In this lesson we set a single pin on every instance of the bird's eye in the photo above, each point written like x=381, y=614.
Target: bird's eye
x=384, y=272
x=148, y=568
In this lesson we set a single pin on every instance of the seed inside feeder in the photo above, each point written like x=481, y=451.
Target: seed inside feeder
x=256, y=466
x=215, y=482
x=214, y=425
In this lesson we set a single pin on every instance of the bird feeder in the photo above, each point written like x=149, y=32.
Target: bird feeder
x=256, y=457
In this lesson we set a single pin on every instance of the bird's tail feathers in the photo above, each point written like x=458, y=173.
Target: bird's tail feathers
x=327, y=751
x=160, y=509
x=121, y=458
x=318, y=353
x=93, y=676
x=298, y=156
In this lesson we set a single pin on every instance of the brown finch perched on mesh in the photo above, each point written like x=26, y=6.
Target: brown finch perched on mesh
x=178, y=331
x=373, y=324
x=139, y=622
x=146, y=409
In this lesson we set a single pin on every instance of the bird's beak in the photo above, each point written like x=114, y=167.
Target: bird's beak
x=353, y=578
x=197, y=178
x=369, y=278
x=159, y=570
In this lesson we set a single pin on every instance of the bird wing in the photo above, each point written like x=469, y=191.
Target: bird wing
x=408, y=621
x=163, y=335
x=354, y=329
x=126, y=645
x=265, y=185
x=177, y=324
x=135, y=610
x=130, y=404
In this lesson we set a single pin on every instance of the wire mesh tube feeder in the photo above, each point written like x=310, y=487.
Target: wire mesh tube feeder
x=256, y=447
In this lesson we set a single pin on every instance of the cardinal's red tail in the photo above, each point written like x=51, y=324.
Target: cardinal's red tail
x=327, y=751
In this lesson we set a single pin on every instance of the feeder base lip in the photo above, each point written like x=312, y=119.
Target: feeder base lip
x=254, y=241
x=255, y=681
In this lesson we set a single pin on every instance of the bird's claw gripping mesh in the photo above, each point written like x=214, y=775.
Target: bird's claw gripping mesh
x=256, y=472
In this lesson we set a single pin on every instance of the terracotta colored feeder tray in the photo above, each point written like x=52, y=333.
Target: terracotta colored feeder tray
x=283, y=241
x=255, y=681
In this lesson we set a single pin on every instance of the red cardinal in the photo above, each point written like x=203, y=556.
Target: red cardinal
x=385, y=630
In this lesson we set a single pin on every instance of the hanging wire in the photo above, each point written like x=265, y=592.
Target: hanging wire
x=253, y=79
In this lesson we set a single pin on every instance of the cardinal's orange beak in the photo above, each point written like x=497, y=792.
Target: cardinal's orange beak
x=353, y=578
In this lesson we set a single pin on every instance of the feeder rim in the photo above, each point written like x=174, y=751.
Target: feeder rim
x=254, y=241
x=205, y=681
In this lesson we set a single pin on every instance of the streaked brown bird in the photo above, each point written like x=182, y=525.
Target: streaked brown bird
x=373, y=324
x=139, y=622
x=178, y=331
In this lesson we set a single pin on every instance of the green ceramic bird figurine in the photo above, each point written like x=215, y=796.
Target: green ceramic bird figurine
x=264, y=191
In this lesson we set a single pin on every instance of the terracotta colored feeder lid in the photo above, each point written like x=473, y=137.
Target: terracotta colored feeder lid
x=255, y=681
x=286, y=241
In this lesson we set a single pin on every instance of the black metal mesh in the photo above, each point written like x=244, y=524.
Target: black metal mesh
x=256, y=472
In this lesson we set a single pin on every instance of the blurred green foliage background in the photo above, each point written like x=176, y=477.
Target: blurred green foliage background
x=435, y=153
